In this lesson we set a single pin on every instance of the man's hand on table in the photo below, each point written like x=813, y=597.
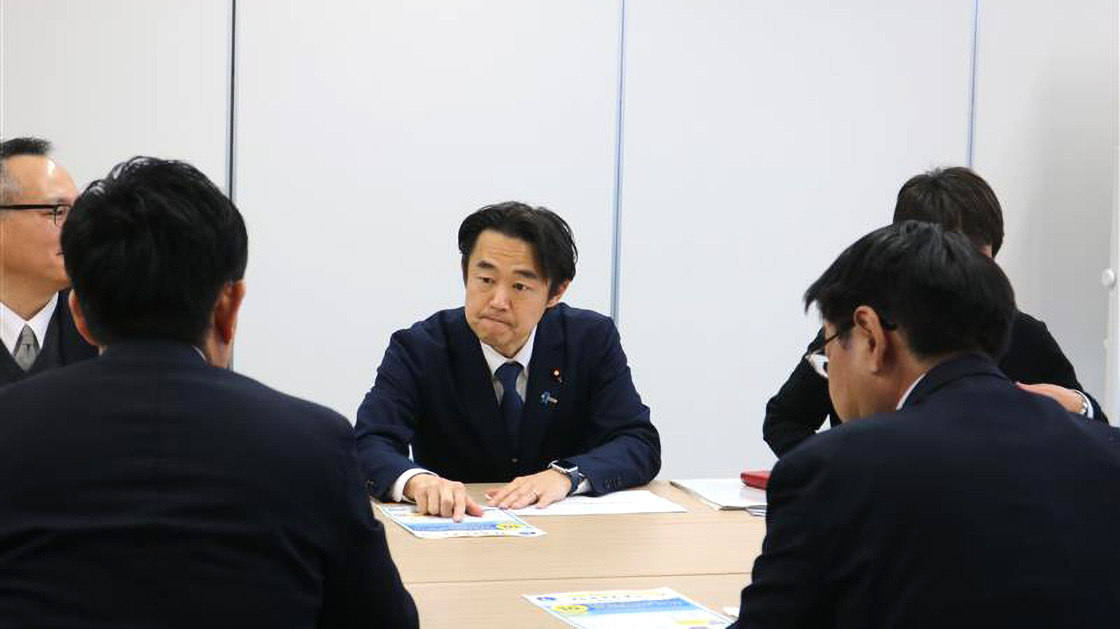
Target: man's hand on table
x=438, y=496
x=541, y=489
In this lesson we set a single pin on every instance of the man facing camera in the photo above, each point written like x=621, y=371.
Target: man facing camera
x=950, y=497
x=35, y=325
x=515, y=387
x=153, y=487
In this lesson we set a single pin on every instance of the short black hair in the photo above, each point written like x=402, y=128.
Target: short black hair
x=149, y=247
x=12, y=148
x=549, y=235
x=933, y=283
x=957, y=199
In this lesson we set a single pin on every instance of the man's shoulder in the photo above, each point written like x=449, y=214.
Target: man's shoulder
x=207, y=387
x=577, y=324
x=1027, y=326
x=435, y=330
x=257, y=392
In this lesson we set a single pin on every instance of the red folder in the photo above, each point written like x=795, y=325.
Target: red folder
x=755, y=479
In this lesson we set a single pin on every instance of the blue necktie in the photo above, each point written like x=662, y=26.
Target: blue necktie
x=511, y=401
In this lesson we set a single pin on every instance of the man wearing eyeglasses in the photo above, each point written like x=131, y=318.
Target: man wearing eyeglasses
x=959, y=200
x=950, y=496
x=35, y=325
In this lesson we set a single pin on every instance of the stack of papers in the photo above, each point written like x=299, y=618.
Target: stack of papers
x=492, y=523
x=659, y=608
x=726, y=493
x=635, y=501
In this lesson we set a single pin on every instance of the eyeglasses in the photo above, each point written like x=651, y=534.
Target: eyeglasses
x=58, y=211
x=818, y=359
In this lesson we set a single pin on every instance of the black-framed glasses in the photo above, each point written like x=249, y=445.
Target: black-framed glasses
x=818, y=359
x=58, y=211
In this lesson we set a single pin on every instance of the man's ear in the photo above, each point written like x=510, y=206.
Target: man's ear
x=869, y=327
x=555, y=299
x=226, y=310
x=80, y=319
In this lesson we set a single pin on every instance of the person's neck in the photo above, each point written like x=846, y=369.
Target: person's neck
x=26, y=303
x=913, y=369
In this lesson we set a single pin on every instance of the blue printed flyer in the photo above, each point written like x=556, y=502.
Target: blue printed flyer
x=659, y=608
x=492, y=523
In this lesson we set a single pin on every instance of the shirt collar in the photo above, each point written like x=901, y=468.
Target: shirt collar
x=495, y=360
x=12, y=324
x=909, y=390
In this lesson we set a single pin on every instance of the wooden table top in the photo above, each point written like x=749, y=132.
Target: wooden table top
x=704, y=554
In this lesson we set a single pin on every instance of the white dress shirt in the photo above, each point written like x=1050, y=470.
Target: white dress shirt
x=12, y=324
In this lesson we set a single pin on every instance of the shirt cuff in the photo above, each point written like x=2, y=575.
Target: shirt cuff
x=583, y=488
x=397, y=494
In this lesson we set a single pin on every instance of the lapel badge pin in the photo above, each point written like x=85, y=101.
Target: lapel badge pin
x=547, y=399
x=557, y=377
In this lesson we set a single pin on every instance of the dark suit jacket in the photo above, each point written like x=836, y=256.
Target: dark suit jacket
x=799, y=408
x=62, y=346
x=976, y=505
x=434, y=392
x=149, y=489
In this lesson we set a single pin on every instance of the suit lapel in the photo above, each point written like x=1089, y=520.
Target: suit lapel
x=545, y=391
x=476, y=388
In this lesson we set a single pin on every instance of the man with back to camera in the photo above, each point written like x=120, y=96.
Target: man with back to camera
x=152, y=487
x=950, y=497
x=515, y=387
x=35, y=325
x=959, y=200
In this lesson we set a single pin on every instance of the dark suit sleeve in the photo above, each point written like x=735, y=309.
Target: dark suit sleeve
x=1034, y=357
x=388, y=415
x=628, y=448
x=788, y=586
x=362, y=587
x=798, y=409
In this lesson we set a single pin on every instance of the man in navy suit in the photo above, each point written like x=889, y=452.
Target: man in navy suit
x=153, y=487
x=950, y=497
x=515, y=387
x=959, y=200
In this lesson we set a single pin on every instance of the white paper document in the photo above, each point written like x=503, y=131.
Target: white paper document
x=725, y=493
x=660, y=608
x=492, y=523
x=634, y=501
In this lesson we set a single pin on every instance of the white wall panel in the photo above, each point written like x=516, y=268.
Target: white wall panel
x=1045, y=136
x=110, y=79
x=366, y=131
x=761, y=139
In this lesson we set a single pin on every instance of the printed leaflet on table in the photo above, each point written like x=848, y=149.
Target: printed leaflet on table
x=660, y=608
x=492, y=523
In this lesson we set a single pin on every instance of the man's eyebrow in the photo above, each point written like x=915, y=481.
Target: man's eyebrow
x=527, y=274
x=483, y=264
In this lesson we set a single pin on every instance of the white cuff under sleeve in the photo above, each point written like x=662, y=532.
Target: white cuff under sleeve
x=398, y=487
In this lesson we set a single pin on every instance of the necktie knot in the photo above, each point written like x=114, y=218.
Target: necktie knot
x=27, y=348
x=507, y=375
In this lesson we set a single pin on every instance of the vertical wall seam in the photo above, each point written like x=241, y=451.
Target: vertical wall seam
x=972, y=84
x=232, y=118
x=616, y=231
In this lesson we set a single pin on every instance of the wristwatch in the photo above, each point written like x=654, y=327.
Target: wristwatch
x=570, y=470
x=1085, y=406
